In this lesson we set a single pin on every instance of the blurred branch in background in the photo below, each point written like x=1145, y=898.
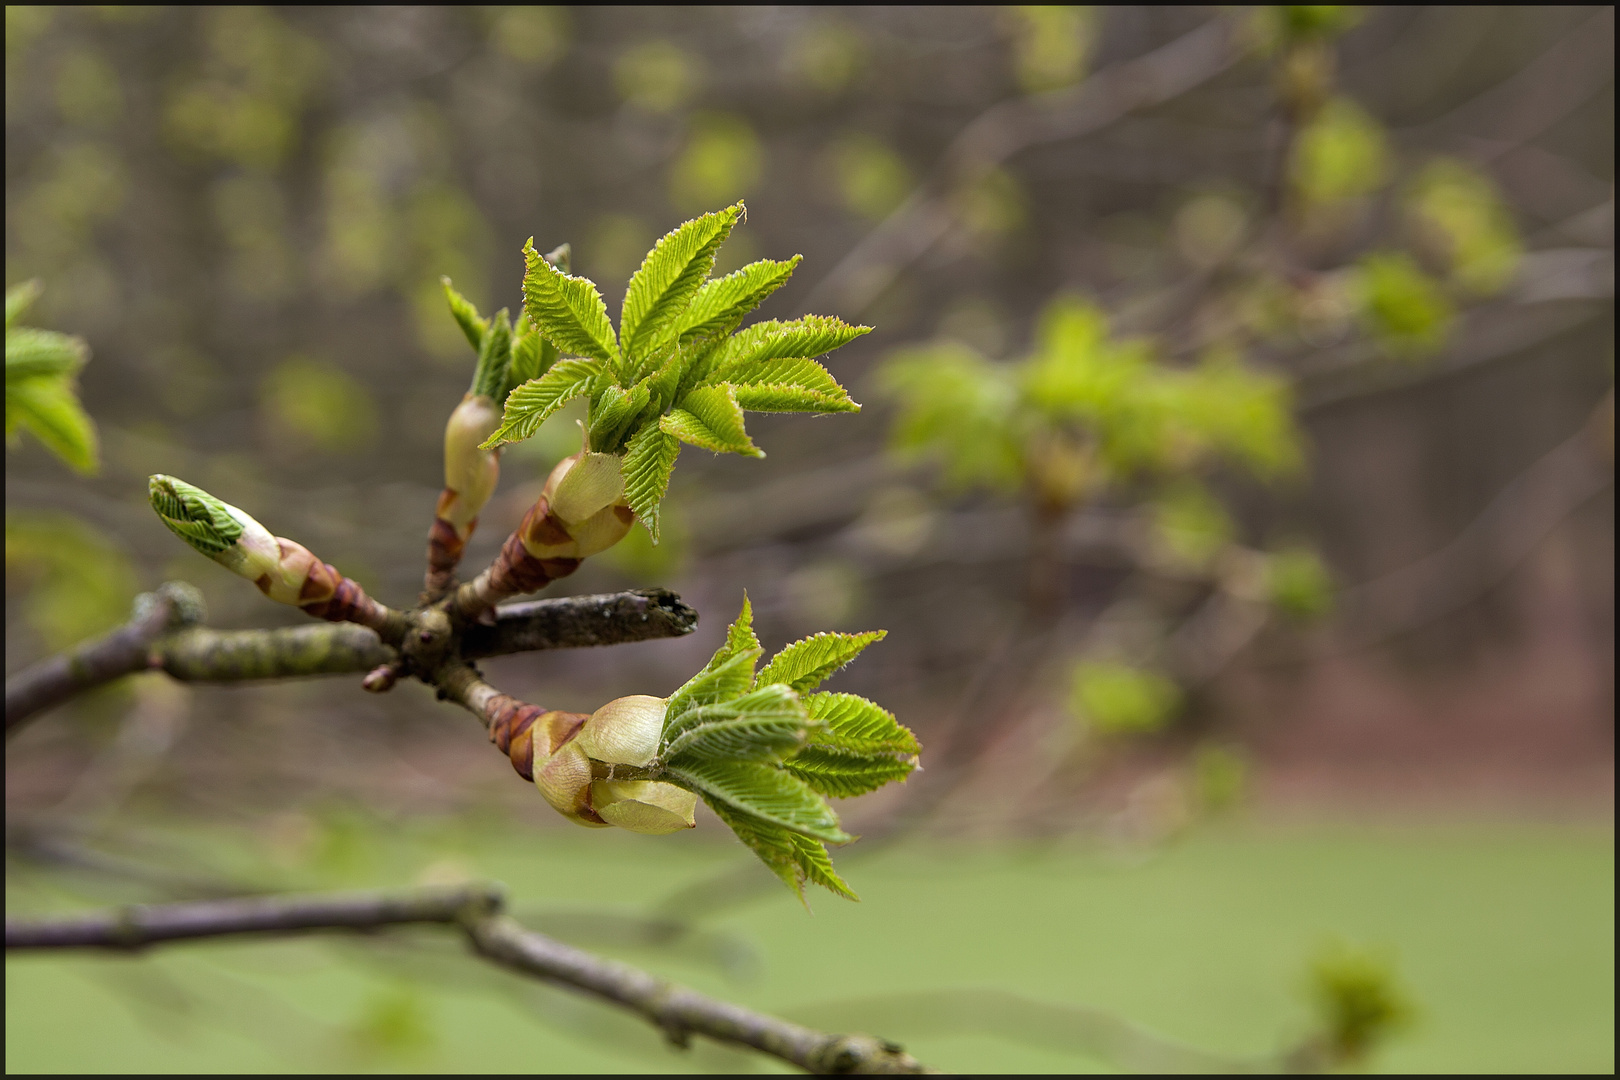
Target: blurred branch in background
x=678, y=1012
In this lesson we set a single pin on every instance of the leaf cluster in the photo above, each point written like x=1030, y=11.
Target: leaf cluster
x=42, y=398
x=508, y=355
x=765, y=753
x=677, y=369
x=1083, y=408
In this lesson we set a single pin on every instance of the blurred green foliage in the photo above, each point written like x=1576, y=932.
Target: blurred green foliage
x=1299, y=583
x=317, y=401
x=870, y=177
x=1191, y=523
x=722, y=162
x=1221, y=777
x=826, y=56
x=1342, y=153
x=1082, y=410
x=535, y=34
x=1403, y=308
x=42, y=370
x=1459, y=213
x=78, y=582
x=1359, y=999
x=1051, y=44
x=1118, y=699
x=245, y=105
x=658, y=76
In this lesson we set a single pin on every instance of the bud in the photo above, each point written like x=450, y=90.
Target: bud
x=219, y=530
x=284, y=570
x=564, y=780
x=582, y=485
x=625, y=731
x=644, y=806
x=470, y=474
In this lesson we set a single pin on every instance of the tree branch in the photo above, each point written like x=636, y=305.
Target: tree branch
x=1006, y=128
x=477, y=910
x=121, y=652
x=571, y=622
x=162, y=634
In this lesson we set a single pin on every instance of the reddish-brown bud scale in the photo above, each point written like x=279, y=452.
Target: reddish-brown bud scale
x=516, y=571
x=348, y=602
x=445, y=545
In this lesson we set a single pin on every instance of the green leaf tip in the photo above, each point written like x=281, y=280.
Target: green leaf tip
x=676, y=369
x=41, y=394
x=567, y=310
x=193, y=515
x=765, y=756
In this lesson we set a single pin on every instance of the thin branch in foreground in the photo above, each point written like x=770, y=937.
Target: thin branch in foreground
x=476, y=909
x=163, y=634
x=94, y=663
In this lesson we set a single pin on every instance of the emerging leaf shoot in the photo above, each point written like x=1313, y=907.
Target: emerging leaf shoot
x=677, y=370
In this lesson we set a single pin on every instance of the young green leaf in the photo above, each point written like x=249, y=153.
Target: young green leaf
x=810, y=856
x=725, y=677
x=32, y=353
x=19, y=297
x=194, y=515
x=761, y=726
x=766, y=792
x=648, y=461
x=466, y=315
x=48, y=408
x=781, y=398
x=527, y=348
x=669, y=277
x=856, y=726
x=844, y=775
x=492, y=376
x=806, y=337
x=773, y=844
x=528, y=406
x=794, y=384
x=612, y=414
x=567, y=310
x=792, y=857
x=709, y=417
x=721, y=305
x=805, y=663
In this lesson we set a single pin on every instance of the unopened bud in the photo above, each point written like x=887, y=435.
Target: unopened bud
x=644, y=806
x=470, y=474
x=229, y=536
x=625, y=731
x=583, y=485
x=564, y=780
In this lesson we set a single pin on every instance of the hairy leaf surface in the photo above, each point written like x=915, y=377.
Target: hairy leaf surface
x=709, y=417
x=805, y=663
x=721, y=680
x=759, y=726
x=529, y=405
x=567, y=310
x=721, y=305
x=648, y=462
x=766, y=792
x=855, y=725
x=842, y=775
x=466, y=315
x=669, y=276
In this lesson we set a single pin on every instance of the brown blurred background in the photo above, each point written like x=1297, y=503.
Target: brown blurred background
x=245, y=212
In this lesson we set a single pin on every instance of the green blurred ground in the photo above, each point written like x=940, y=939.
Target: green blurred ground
x=1504, y=935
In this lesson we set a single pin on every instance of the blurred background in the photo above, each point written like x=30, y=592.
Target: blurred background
x=1234, y=482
